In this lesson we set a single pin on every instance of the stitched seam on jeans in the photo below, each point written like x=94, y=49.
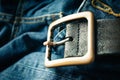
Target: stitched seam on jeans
x=6, y=17
x=41, y=69
x=6, y=20
x=15, y=28
x=27, y=20
x=2, y=13
x=21, y=13
x=31, y=20
x=41, y=16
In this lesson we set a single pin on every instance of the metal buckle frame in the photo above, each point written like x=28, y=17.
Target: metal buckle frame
x=88, y=57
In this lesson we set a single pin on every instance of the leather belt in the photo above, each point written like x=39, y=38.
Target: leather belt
x=107, y=37
x=84, y=39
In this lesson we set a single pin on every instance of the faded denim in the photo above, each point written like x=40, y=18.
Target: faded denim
x=23, y=29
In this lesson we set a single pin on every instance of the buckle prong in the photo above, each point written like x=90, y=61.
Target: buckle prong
x=87, y=58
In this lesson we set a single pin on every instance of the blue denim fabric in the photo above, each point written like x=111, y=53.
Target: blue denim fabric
x=23, y=29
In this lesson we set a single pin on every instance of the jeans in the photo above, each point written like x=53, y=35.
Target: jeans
x=23, y=29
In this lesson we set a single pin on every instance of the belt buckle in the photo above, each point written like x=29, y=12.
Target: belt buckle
x=88, y=57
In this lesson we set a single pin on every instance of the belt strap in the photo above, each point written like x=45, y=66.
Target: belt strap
x=107, y=38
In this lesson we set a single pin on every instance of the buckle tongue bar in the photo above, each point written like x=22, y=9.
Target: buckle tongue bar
x=87, y=58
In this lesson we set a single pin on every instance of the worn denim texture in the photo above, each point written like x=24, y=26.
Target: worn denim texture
x=23, y=29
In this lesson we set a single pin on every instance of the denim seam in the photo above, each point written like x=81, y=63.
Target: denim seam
x=60, y=13
x=6, y=20
x=5, y=17
x=15, y=28
x=18, y=77
x=36, y=18
x=2, y=13
x=41, y=69
x=27, y=18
